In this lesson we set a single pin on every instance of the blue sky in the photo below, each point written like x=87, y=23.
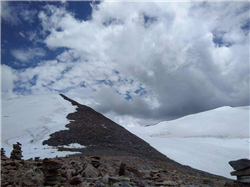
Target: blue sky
x=14, y=34
x=130, y=61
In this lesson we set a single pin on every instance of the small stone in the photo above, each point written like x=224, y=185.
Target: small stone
x=113, y=180
x=76, y=180
x=121, y=184
x=166, y=183
x=105, y=179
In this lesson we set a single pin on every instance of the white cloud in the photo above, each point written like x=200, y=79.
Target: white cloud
x=9, y=13
x=8, y=76
x=18, y=13
x=28, y=54
x=168, y=50
x=28, y=15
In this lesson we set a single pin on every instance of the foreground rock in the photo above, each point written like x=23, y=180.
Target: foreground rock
x=113, y=171
x=242, y=168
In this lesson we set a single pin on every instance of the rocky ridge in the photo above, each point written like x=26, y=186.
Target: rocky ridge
x=100, y=135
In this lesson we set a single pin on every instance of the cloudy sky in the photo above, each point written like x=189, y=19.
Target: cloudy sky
x=136, y=62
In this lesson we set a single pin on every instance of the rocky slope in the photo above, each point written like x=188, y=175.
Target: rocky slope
x=100, y=135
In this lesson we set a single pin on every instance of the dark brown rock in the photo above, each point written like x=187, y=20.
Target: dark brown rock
x=76, y=180
x=51, y=172
x=122, y=169
x=113, y=180
x=244, y=179
x=95, y=161
x=240, y=164
x=16, y=152
x=50, y=164
x=2, y=154
x=244, y=172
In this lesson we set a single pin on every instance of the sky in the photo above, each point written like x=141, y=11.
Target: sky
x=135, y=62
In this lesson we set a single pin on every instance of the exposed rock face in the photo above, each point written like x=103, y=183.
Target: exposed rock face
x=16, y=152
x=242, y=168
x=100, y=135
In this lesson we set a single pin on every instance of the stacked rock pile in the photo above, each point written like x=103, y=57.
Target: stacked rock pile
x=16, y=152
x=2, y=154
x=242, y=168
x=52, y=173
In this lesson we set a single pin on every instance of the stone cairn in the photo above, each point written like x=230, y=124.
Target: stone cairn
x=2, y=154
x=51, y=171
x=16, y=152
x=242, y=168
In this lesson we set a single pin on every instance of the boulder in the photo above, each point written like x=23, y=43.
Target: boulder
x=90, y=172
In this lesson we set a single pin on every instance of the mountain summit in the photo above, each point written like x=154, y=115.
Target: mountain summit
x=99, y=135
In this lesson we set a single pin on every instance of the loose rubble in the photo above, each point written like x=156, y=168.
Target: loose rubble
x=110, y=171
x=105, y=171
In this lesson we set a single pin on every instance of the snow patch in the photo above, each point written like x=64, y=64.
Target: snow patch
x=223, y=122
x=30, y=120
x=206, y=141
x=104, y=126
x=74, y=146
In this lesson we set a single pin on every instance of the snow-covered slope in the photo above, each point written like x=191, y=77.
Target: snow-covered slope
x=206, y=141
x=30, y=120
x=224, y=122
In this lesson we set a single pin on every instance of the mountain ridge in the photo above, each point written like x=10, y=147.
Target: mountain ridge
x=100, y=135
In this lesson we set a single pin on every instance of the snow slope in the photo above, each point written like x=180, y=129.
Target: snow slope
x=30, y=120
x=205, y=141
